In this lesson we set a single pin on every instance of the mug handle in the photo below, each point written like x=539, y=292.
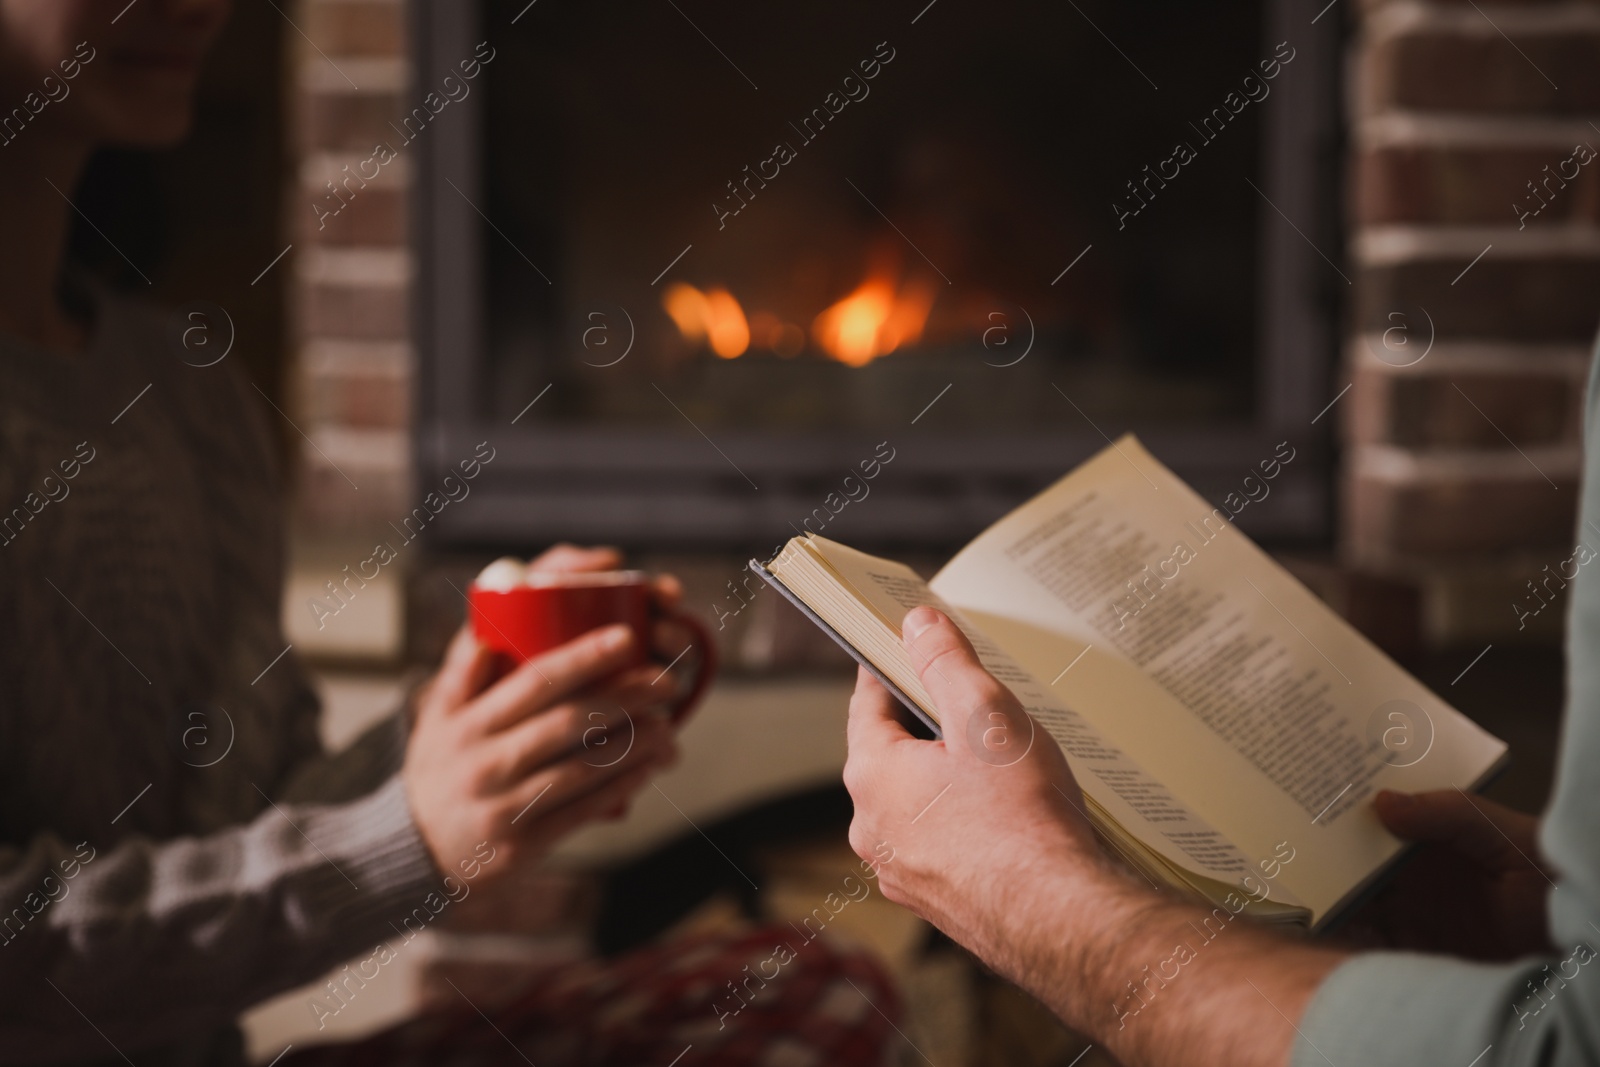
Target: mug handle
x=700, y=638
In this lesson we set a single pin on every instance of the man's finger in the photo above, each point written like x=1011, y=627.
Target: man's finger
x=949, y=669
x=874, y=716
x=553, y=676
x=1480, y=829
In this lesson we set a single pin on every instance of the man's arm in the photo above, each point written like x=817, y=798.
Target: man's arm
x=997, y=853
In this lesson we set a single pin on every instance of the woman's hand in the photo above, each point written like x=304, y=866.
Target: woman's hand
x=565, y=738
x=1476, y=887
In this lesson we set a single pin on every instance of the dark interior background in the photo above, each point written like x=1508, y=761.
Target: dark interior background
x=202, y=220
x=997, y=145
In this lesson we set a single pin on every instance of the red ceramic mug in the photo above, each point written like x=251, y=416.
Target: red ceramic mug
x=545, y=609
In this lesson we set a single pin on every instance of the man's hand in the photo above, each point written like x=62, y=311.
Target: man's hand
x=563, y=739
x=978, y=823
x=1476, y=887
x=983, y=834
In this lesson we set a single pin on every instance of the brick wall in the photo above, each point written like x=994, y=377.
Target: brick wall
x=352, y=266
x=1455, y=109
x=1462, y=464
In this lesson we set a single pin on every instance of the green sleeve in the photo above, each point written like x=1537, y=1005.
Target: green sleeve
x=1392, y=1008
x=1382, y=1009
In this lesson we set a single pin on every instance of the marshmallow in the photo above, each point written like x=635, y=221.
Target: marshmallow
x=502, y=575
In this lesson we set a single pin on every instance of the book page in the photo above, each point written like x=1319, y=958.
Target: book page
x=1212, y=667
x=1140, y=803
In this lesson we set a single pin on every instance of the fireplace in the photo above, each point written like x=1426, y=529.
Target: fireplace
x=685, y=265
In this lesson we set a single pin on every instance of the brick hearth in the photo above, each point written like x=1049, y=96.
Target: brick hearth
x=353, y=269
x=1450, y=461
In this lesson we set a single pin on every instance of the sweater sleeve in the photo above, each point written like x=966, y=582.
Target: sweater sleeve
x=358, y=768
x=146, y=942
x=1384, y=1009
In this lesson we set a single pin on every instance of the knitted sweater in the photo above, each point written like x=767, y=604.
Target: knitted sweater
x=174, y=844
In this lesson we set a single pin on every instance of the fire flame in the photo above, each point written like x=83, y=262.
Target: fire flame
x=879, y=317
x=873, y=321
x=713, y=316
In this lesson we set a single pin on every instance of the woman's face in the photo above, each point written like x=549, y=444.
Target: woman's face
x=108, y=70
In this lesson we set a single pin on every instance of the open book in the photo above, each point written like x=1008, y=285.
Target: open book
x=1227, y=728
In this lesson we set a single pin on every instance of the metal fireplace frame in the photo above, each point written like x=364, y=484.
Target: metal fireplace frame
x=662, y=488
